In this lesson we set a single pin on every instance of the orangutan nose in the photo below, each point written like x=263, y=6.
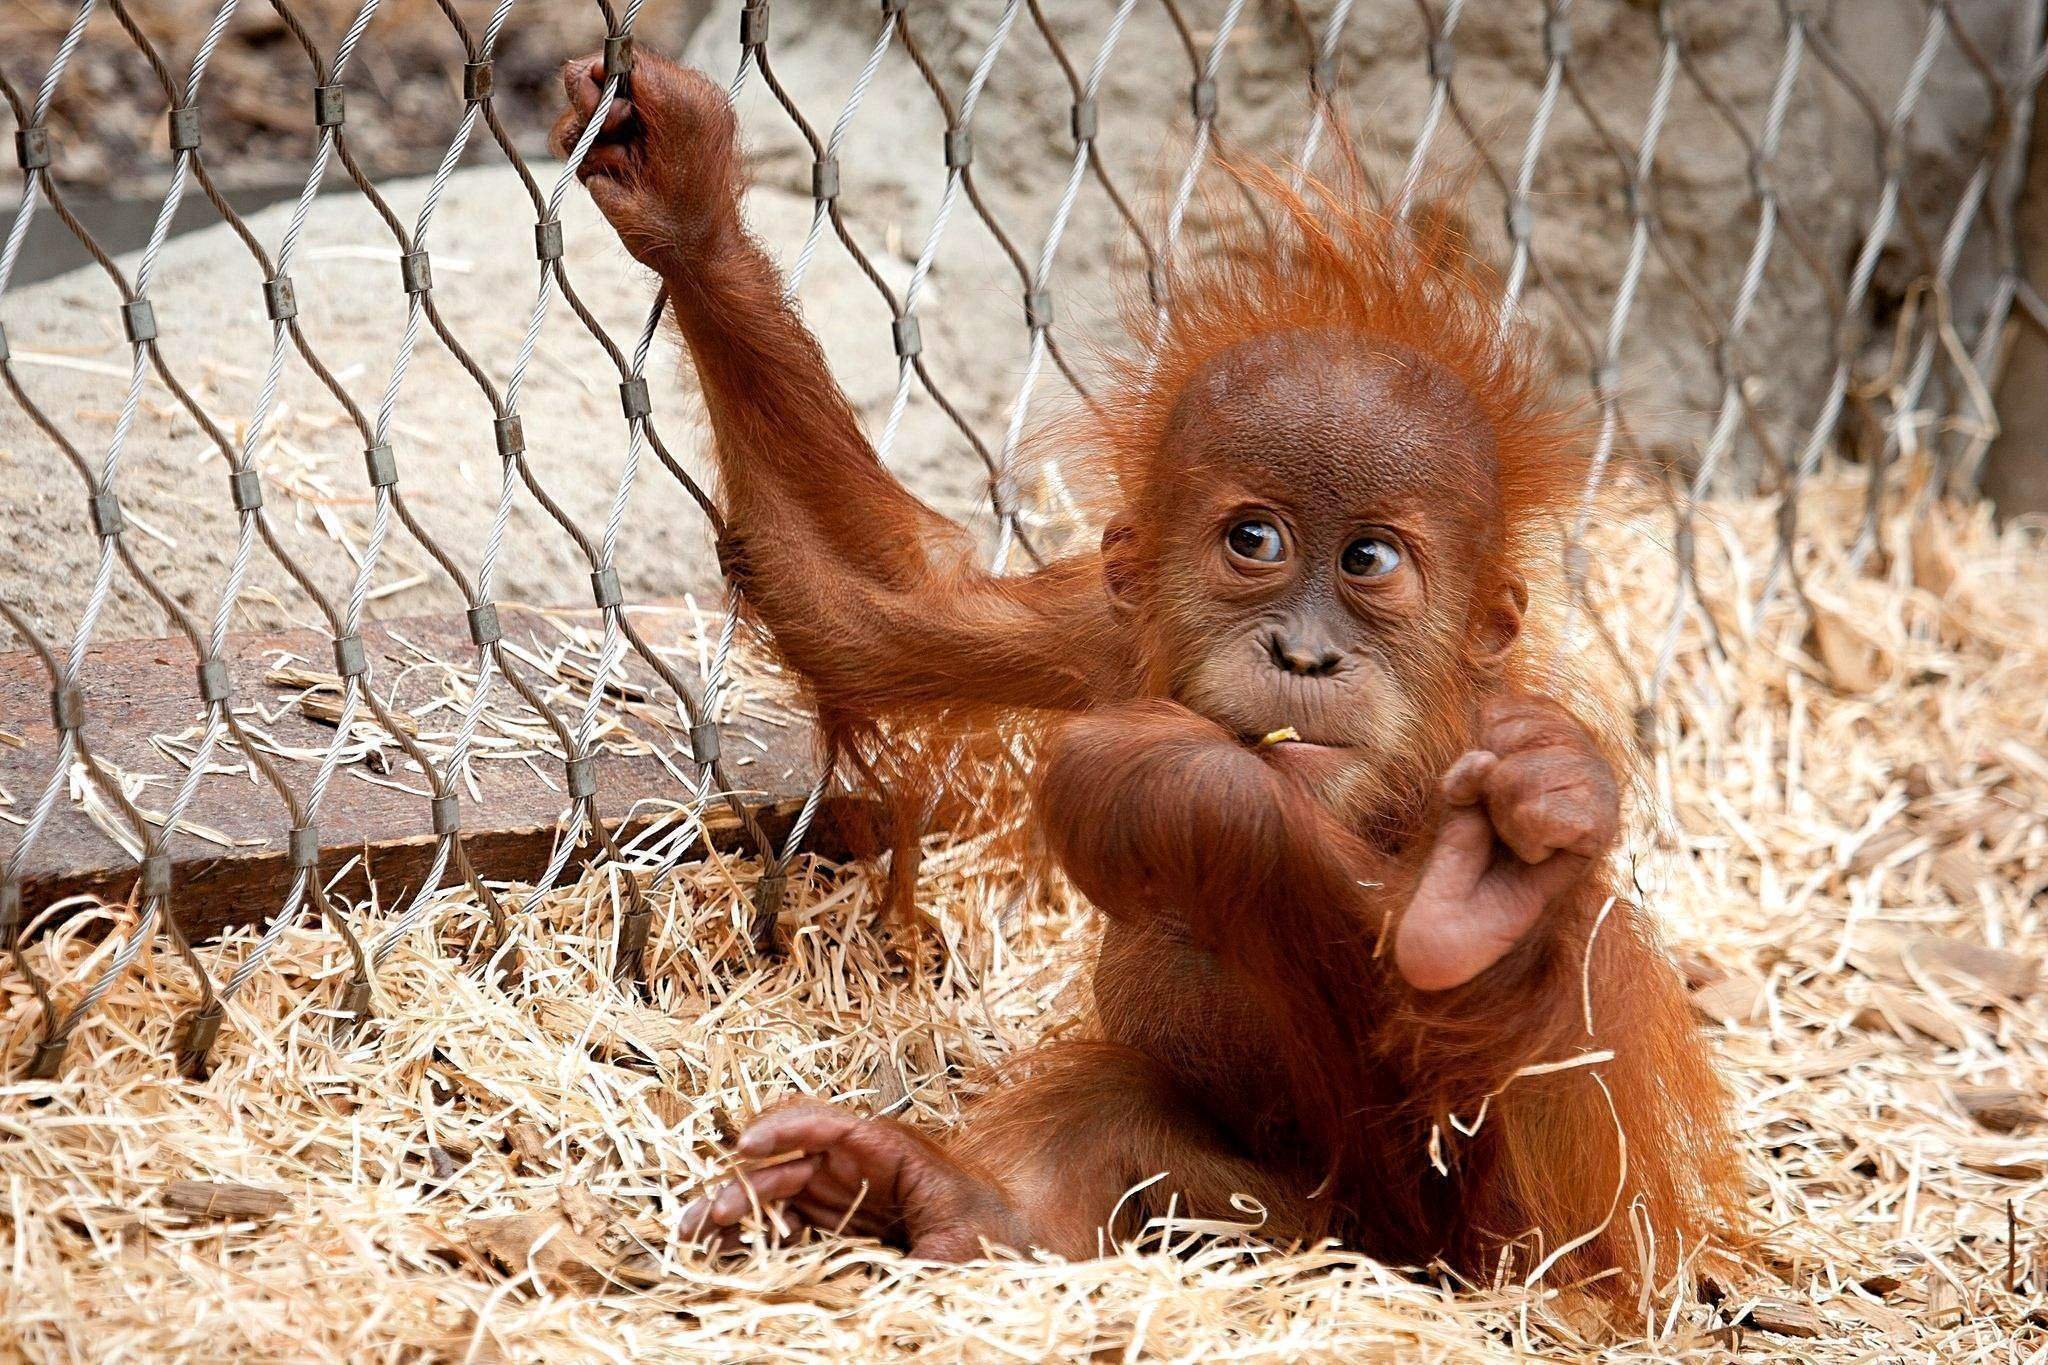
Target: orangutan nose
x=1303, y=654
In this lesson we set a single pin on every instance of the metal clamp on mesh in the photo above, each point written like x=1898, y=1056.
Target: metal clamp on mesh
x=634, y=927
x=959, y=148
x=1443, y=58
x=156, y=876
x=704, y=743
x=477, y=82
x=245, y=486
x=3, y=342
x=1760, y=175
x=754, y=25
x=67, y=707
x=1322, y=77
x=184, y=129
x=138, y=320
x=510, y=433
x=32, y=147
x=355, y=1001
x=10, y=910
x=768, y=896
x=302, y=847
x=201, y=1032
x=1081, y=119
x=329, y=108
x=1202, y=99
x=1519, y=221
x=280, y=300
x=349, y=659
x=1606, y=377
x=216, y=684
x=415, y=272
x=1002, y=499
x=908, y=338
x=582, y=778
x=547, y=239
x=618, y=58
x=382, y=464
x=633, y=398
x=105, y=510
x=604, y=586
x=484, y=627
x=447, y=814
x=825, y=179
x=1722, y=351
x=49, y=1059
x=1038, y=309
x=1577, y=563
x=1557, y=37
x=1892, y=155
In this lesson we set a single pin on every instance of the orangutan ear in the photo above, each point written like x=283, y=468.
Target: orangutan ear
x=1497, y=622
x=1123, y=566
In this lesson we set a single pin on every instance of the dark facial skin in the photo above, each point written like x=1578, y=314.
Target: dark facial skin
x=1329, y=563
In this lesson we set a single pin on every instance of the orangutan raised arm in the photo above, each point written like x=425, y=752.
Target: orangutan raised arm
x=873, y=597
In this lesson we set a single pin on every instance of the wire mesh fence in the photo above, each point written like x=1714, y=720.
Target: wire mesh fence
x=1084, y=188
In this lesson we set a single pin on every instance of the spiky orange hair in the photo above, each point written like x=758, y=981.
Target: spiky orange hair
x=1333, y=255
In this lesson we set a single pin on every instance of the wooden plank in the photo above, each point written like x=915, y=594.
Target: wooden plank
x=138, y=689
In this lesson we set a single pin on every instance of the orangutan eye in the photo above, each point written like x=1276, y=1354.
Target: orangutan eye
x=1258, y=541
x=1371, y=557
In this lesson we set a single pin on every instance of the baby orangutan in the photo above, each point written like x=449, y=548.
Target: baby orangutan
x=1364, y=963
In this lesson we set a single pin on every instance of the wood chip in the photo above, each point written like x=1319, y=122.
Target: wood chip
x=1731, y=1000
x=529, y=1148
x=1934, y=555
x=669, y=1107
x=1957, y=870
x=2002, y=1109
x=2006, y=974
x=586, y=1213
x=1852, y=661
x=224, y=1199
x=1785, y=1319
x=545, y=1246
x=1908, y=1015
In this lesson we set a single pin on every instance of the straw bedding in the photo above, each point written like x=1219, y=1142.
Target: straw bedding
x=1850, y=864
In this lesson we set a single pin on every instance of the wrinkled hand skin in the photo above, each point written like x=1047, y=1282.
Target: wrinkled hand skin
x=865, y=1176
x=664, y=167
x=1526, y=814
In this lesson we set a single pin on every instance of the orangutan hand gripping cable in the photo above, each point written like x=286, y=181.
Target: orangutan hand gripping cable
x=1351, y=851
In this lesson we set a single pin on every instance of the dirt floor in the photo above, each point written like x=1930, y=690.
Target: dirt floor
x=1851, y=876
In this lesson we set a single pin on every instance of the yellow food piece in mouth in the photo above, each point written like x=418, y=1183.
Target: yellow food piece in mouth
x=1280, y=736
